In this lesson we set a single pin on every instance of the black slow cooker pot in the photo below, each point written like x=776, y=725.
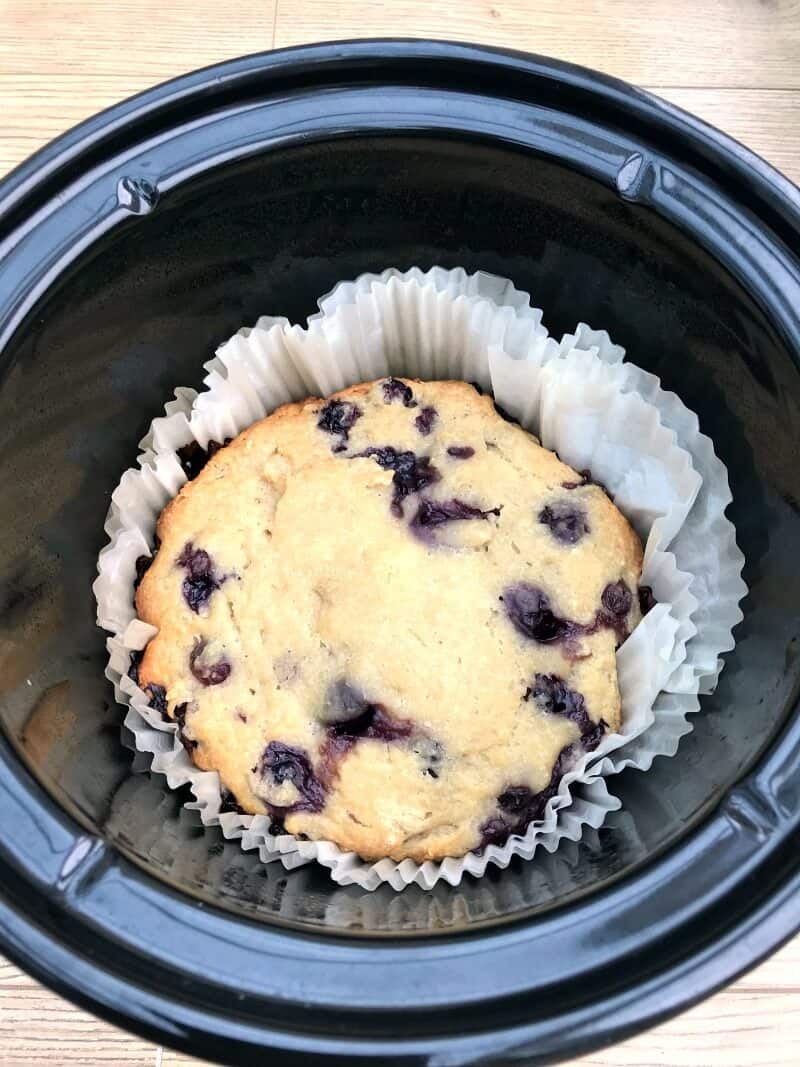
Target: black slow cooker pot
x=133, y=245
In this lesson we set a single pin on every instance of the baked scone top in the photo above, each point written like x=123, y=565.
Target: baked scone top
x=389, y=619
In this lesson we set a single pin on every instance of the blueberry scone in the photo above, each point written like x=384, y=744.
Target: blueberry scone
x=389, y=619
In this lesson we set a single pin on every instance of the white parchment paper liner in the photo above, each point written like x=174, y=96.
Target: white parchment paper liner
x=581, y=399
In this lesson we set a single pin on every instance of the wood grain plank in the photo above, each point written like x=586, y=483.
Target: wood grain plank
x=734, y=43
x=755, y=1022
x=767, y=121
x=61, y=62
x=39, y=1029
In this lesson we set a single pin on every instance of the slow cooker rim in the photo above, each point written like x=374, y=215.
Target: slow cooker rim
x=776, y=190
x=24, y=180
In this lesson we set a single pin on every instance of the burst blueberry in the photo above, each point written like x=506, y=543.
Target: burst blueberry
x=424, y=422
x=552, y=695
x=412, y=473
x=284, y=763
x=394, y=389
x=200, y=581
x=207, y=673
x=528, y=608
x=180, y=711
x=338, y=417
x=567, y=523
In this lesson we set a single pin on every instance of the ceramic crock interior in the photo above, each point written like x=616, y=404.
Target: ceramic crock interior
x=140, y=313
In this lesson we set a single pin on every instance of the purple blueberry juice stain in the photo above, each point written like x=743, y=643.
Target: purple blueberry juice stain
x=412, y=473
x=188, y=743
x=461, y=451
x=552, y=695
x=425, y=421
x=351, y=717
x=207, y=673
x=567, y=523
x=433, y=513
x=646, y=599
x=283, y=763
x=200, y=581
x=337, y=418
x=394, y=389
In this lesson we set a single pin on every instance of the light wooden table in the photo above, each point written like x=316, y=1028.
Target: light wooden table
x=735, y=63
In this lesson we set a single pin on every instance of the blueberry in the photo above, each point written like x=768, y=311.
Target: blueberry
x=616, y=598
x=494, y=831
x=646, y=599
x=287, y=764
x=411, y=473
x=188, y=743
x=425, y=420
x=229, y=803
x=343, y=702
x=516, y=800
x=519, y=806
x=552, y=695
x=590, y=739
x=528, y=609
x=461, y=451
x=616, y=601
x=207, y=673
x=133, y=669
x=157, y=697
x=200, y=581
x=568, y=524
x=393, y=389
x=143, y=565
x=192, y=457
x=216, y=446
x=338, y=418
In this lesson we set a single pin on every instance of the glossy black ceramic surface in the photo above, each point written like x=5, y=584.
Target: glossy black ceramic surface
x=128, y=250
